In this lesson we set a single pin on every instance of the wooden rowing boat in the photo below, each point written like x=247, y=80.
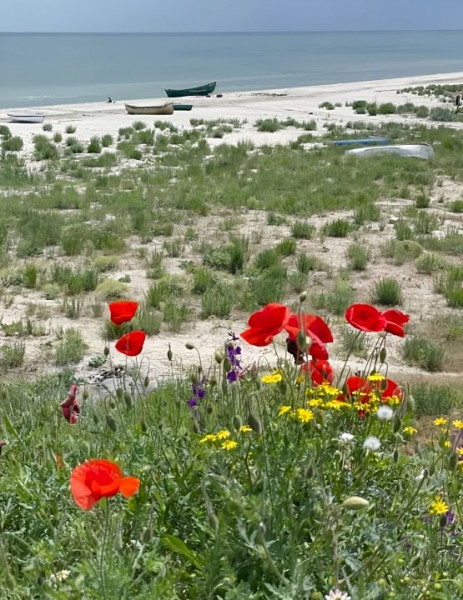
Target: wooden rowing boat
x=363, y=141
x=183, y=106
x=26, y=118
x=200, y=90
x=163, y=109
x=408, y=150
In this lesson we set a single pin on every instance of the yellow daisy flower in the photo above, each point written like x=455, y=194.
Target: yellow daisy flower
x=245, y=428
x=440, y=421
x=210, y=437
x=304, y=415
x=315, y=402
x=229, y=445
x=274, y=378
x=376, y=377
x=283, y=410
x=223, y=434
x=410, y=430
x=458, y=424
x=447, y=444
x=438, y=507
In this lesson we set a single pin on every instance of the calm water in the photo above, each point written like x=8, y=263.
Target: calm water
x=44, y=69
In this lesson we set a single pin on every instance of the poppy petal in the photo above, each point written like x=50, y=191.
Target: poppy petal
x=256, y=337
x=272, y=317
x=122, y=311
x=319, y=351
x=365, y=317
x=131, y=344
x=128, y=486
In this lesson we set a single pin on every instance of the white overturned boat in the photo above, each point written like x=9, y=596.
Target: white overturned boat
x=413, y=150
x=26, y=117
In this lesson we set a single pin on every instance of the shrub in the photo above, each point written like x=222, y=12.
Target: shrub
x=358, y=257
x=94, y=146
x=372, y=109
x=429, y=263
x=338, y=228
x=406, y=250
x=302, y=230
x=47, y=127
x=107, y=140
x=424, y=353
x=44, y=148
x=70, y=129
x=387, y=109
x=387, y=292
x=217, y=301
x=71, y=349
x=12, y=144
x=442, y=114
x=326, y=105
x=268, y=125
x=57, y=138
x=456, y=206
x=110, y=289
x=286, y=247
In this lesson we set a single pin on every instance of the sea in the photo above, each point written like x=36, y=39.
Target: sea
x=40, y=69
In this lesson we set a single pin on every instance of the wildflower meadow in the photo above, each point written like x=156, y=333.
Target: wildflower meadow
x=295, y=480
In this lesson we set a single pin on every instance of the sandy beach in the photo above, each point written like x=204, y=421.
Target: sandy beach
x=300, y=103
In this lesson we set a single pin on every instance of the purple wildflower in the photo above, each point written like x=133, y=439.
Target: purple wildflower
x=198, y=392
x=234, y=355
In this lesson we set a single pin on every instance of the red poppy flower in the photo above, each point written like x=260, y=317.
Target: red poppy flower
x=122, y=311
x=320, y=371
x=358, y=384
x=99, y=478
x=395, y=320
x=70, y=406
x=131, y=344
x=392, y=389
x=265, y=324
x=313, y=326
x=365, y=317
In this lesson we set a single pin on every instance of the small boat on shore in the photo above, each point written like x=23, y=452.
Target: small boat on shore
x=362, y=142
x=183, y=106
x=163, y=109
x=200, y=90
x=26, y=117
x=424, y=151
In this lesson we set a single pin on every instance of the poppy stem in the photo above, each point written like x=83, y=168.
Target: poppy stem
x=103, y=549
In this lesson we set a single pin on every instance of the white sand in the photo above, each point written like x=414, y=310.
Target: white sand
x=301, y=103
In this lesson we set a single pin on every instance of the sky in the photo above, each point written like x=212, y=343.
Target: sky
x=228, y=15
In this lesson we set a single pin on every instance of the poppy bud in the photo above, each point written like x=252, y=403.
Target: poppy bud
x=212, y=520
x=397, y=424
x=383, y=355
x=431, y=470
x=85, y=395
x=227, y=364
x=301, y=339
x=189, y=346
x=262, y=528
x=95, y=418
x=112, y=405
x=453, y=460
x=146, y=382
x=143, y=426
x=169, y=354
x=119, y=393
x=303, y=297
x=212, y=381
x=237, y=422
x=411, y=403
x=128, y=400
x=111, y=422
x=218, y=356
x=255, y=424
x=443, y=520
x=355, y=503
x=106, y=351
x=395, y=456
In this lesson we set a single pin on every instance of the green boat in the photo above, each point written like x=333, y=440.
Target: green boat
x=183, y=106
x=201, y=90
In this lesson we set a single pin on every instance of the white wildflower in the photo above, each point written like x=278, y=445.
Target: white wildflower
x=59, y=576
x=372, y=443
x=385, y=413
x=337, y=595
x=346, y=438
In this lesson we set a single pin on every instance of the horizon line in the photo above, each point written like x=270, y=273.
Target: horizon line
x=230, y=32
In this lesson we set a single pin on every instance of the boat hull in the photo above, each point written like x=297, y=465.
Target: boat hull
x=164, y=109
x=201, y=90
x=26, y=118
x=183, y=106
x=362, y=142
x=424, y=151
